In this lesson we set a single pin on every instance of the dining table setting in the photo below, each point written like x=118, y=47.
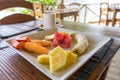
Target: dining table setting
x=99, y=45
x=52, y=48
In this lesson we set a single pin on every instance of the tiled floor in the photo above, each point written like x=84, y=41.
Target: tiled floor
x=114, y=70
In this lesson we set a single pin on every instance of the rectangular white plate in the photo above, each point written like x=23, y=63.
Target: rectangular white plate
x=96, y=41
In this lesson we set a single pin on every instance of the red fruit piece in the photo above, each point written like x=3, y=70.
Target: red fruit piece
x=62, y=40
x=66, y=42
x=23, y=39
x=16, y=44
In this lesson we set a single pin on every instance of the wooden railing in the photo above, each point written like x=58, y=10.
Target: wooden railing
x=91, y=12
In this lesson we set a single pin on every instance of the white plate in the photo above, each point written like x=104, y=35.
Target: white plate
x=96, y=41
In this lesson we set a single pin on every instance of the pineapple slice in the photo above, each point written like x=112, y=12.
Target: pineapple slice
x=43, y=59
x=71, y=58
x=57, y=59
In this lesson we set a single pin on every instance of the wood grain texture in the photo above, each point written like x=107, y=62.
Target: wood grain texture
x=114, y=69
x=15, y=17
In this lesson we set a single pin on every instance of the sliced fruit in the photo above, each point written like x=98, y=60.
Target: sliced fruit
x=16, y=44
x=38, y=42
x=43, y=59
x=71, y=58
x=28, y=46
x=62, y=40
x=49, y=37
x=23, y=39
x=62, y=32
x=42, y=42
x=33, y=47
x=39, y=49
x=72, y=35
x=57, y=58
x=81, y=45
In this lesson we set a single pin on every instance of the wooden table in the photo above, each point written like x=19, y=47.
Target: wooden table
x=10, y=30
x=115, y=11
x=61, y=13
x=15, y=67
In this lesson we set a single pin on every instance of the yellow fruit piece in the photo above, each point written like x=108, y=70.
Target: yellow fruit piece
x=60, y=59
x=57, y=59
x=71, y=58
x=43, y=59
x=62, y=32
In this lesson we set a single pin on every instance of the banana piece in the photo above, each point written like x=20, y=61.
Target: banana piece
x=72, y=35
x=81, y=45
x=49, y=37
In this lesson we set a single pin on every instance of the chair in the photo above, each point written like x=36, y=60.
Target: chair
x=105, y=16
x=117, y=21
x=38, y=9
x=116, y=16
x=75, y=6
x=16, y=17
x=105, y=13
x=60, y=4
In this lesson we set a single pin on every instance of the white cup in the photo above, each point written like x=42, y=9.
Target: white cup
x=49, y=20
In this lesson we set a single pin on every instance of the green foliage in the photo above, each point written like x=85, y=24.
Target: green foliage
x=45, y=2
x=27, y=11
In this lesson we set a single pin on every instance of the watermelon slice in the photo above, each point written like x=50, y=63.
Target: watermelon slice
x=62, y=40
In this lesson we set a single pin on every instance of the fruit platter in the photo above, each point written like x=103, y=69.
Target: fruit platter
x=57, y=53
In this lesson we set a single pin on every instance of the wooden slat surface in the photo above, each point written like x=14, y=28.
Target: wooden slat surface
x=114, y=69
x=17, y=68
x=7, y=31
